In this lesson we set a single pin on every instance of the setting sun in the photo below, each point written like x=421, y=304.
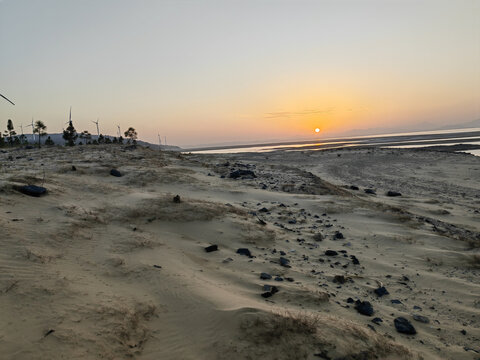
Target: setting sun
x=317, y=130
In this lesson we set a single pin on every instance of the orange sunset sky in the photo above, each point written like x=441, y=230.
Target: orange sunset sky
x=206, y=72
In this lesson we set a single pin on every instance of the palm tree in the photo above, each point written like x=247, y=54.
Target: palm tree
x=40, y=129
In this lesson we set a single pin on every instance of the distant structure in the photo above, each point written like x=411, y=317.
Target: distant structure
x=119, y=133
x=69, y=122
x=96, y=123
x=11, y=102
x=33, y=132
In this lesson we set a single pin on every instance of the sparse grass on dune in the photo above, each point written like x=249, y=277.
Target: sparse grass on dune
x=163, y=208
x=298, y=335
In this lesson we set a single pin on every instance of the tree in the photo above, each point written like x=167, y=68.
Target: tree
x=70, y=135
x=131, y=134
x=40, y=129
x=120, y=140
x=86, y=136
x=23, y=139
x=101, y=139
x=10, y=132
x=49, y=141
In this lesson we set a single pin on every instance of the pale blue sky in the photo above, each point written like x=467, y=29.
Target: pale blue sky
x=214, y=71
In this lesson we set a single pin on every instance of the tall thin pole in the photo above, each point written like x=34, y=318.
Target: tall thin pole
x=33, y=133
x=159, y=141
x=165, y=142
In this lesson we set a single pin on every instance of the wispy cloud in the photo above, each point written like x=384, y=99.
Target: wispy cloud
x=292, y=114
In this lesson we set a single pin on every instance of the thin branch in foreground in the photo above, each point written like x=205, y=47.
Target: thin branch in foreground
x=11, y=102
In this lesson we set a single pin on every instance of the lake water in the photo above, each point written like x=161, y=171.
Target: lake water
x=400, y=140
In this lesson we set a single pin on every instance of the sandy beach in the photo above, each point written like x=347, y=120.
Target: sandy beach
x=106, y=267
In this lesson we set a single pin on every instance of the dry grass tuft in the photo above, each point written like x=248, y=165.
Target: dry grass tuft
x=300, y=335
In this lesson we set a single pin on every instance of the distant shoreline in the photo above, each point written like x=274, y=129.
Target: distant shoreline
x=425, y=138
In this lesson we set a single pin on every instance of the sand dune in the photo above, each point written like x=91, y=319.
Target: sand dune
x=106, y=267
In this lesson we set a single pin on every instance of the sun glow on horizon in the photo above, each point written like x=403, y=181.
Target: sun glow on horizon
x=317, y=130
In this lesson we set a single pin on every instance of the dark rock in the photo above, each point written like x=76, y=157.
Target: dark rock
x=404, y=326
x=354, y=260
x=211, y=248
x=396, y=301
x=283, y=253
x=31, y=190
x=244, y=251
x=264, y=209
x=278, y=278
x=157, y=266
x=420, y=318
x=269, y=291
x=74, y=168
x=318, y=237
x=284, y=262
x=350, y=300
x=377, y=320
x=338, y=236
x=381, y=291
x=241, y=173
x=51, y=331
x=339, y=279
x=393, y=193
x=463, y=331
x=331, y=253
x=370, y=191
x=364, y=307
x=265, y=276
x=176, y=199
x=354, y=187
x=116, y=173
x=290, y=279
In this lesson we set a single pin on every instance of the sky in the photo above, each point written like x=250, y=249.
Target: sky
x=210, y=72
